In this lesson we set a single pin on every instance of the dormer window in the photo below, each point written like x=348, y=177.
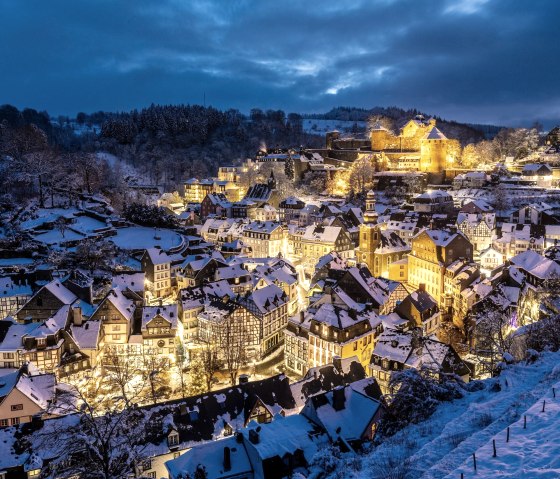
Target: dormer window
x=173, y=439
x=41, y=341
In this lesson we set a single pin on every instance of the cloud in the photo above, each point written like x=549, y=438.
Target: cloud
x=480, y=61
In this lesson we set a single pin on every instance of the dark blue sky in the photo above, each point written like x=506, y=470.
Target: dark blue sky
x=489, y=61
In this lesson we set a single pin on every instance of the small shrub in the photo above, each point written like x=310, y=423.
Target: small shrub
x=482, y=420
x=457, y=438
x=390, y=466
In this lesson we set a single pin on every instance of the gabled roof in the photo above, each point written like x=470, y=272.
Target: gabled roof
x=346, y=411
x=391, y=242
x=61, y=292
x=157, y=256
x=435, y=134
x=286, y=435
x=124, y=305
x=86, y=336
x=38, y=388
x=168, y=312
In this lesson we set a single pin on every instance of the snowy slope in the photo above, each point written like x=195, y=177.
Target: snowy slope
x=319, y=126
x=442, y=446
x=533, y=450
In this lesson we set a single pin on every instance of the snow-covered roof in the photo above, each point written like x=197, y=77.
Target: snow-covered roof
x=61, y=292
x=158, y=256
x=536, y=265
x=262, y=226
x=40, y=389
x=286, y=435
x=323, y=234
x=393, y=345
x=168, y=312
x=349, y=419
x=86, y=336
x=211, y=455
x=391, y=242
x=334, y=316
x=10, y=288
x=13, y=339
x=124, y=305
x=268, y=298
x=435, y=134
x=133, y=281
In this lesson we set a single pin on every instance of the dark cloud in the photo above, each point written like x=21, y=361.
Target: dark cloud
x=473, y=60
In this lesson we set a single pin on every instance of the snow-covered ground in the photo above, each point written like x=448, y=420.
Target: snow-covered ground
x=442, y=446
x=533, y=450
x=128, y=171
x=320, y=127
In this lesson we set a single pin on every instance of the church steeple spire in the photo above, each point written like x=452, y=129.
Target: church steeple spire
x=370, y=215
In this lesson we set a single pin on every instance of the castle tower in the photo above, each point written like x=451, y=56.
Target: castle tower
x=433, y=150
x=369, y=234
x=330, y=138
x=379, y=136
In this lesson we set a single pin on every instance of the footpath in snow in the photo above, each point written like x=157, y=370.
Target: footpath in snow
x=442, y=446
x=533, y=449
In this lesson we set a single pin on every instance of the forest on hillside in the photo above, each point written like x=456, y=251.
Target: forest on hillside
x=464, y=132
x=167, y=144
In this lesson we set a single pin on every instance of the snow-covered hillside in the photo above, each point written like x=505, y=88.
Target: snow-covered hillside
x=442, y=446
x=318, y=126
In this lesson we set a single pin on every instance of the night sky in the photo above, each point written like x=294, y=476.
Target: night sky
x=494, y=61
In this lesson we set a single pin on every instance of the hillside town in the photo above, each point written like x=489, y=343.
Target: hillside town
x=243, y=324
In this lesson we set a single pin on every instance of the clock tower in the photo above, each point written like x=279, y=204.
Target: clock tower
x=369, y=235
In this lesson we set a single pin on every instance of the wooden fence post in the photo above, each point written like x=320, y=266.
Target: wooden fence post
x=543, y=405
x=474, y=460
x=494, y=447
x=507, y=438
x=524, y=422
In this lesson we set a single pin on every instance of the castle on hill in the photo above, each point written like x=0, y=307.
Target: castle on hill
x=419, y=146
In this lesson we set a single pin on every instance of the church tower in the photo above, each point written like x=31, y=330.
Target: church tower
x=369, y=235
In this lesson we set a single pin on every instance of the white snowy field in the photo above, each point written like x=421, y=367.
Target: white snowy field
x=318, y=126
x=442, y=446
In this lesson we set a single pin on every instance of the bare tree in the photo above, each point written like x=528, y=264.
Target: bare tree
x=99, y=438
x=155, y=369
x=122, y=373
x=210, y=362
x=61, y=225
x=88, y=168
x=361, y=175
x=382, y=120
x=95, y=253
x=492, y=338
x=231, y=338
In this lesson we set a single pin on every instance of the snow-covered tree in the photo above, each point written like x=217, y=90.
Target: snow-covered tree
x=383, y=120
x=100, y=438
x=361, y=175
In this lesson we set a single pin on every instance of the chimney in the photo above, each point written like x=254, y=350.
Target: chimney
x=227, y=459
x=77, y=318
x=422, y=287
x=339, y=399
x=243, y=379
x=301, y=316
x=183, y=409
x=337, y=363
x=254, y=436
